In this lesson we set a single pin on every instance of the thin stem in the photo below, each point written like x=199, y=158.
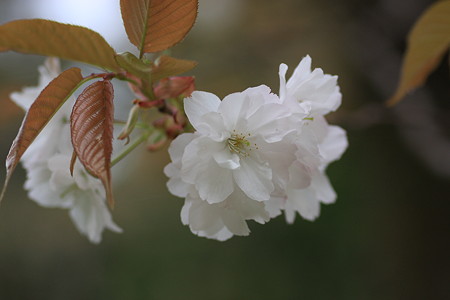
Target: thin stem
x=123, y=77
x=130, y=148
x=138, y=125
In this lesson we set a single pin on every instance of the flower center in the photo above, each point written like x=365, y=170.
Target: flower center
x=239, y=144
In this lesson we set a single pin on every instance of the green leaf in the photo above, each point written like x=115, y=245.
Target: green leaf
x=428, y=41
x=91, y=124
x=51, y=38
x=39, y=114
x=134, y=65
x=155, y=25
x=166, y=66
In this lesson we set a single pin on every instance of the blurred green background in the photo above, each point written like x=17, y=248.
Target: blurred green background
x=387, y=236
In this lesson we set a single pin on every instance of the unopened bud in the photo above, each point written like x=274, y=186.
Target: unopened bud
x=157, y=145
x=174, y=130
x=133, y=117
x=149, y=104
x=173, y=87
x=161, y=122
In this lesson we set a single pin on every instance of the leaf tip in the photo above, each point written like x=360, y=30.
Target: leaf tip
x=72, y=162
x=2, y=194
x=394, y=100
x=5, y=184
x=109, y=193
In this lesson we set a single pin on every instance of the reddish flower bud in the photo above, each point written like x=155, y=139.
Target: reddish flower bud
x=149, y=104
x=158, y=145
x=173, y=87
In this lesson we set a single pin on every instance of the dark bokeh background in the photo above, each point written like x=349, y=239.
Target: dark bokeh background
x=387, y=236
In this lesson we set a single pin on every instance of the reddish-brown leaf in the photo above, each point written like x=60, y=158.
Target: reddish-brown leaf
x=91, y=125
x=174, y=87
x=166, y=66
x=428, y=41
x=155, y=25
x=39, y=114
x=51, y=38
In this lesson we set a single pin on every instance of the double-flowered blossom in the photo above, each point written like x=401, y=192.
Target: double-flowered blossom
x=321, y=93
x=255, y=154
x=47, y=162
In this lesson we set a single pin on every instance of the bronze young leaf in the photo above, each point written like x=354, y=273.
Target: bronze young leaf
x=51, y=38
x=91, y=125
x=166, y=66
x=428, y=41
x=39, y=114
x=155, y=25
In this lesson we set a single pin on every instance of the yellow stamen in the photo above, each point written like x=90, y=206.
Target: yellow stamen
x=239, y=144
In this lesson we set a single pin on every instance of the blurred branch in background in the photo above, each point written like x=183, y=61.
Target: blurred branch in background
x=419, y=118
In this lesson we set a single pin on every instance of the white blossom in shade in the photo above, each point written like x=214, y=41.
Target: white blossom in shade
x=47, y=162
x=307, y=201
x=320, y=93
x=234, y=162
x=46, y=143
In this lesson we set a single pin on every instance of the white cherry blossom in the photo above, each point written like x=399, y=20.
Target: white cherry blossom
x=237, y=158
x=47, y=162
x=319, y=92
x=237, y=139
x=313, y=88
x=254, y=155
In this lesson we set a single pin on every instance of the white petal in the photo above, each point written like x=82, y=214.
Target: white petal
x=271, y=122
x=289, y=215
x=334, y=144
x=274, y=206
x=196, y=157
x=282, y=73
x=39, y=189
x=173, y=170
x=199, y=104
x=317, y=128
x=315, y=87
x=178, y=187
x=324, y=191
x=305, y=202
x=301, y=72
x=247, y=208
x=215, y=183
x=205, y=218
x=235, y=223
x=299, y=175
x=232, y=108
x=223, y=235
x=258, y=91
x=226, y=159
x=279, y=156
x=177, y=146
x=185, y=212
x=91, y=216
x=254, y=179
x=213, y=126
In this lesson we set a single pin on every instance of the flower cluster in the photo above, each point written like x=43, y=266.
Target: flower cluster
x=254, y=154
x=47, y=162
